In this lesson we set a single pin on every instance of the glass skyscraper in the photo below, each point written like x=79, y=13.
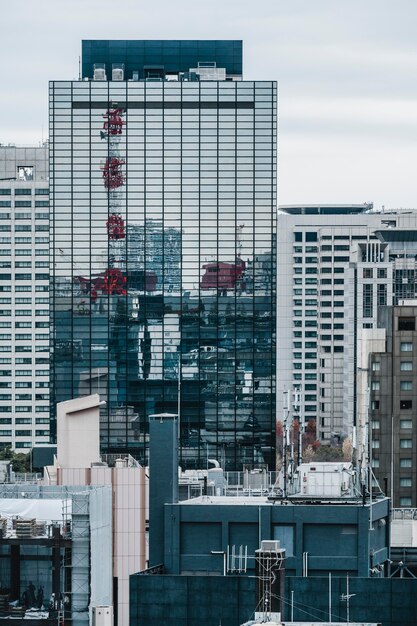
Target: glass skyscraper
x=163, y=230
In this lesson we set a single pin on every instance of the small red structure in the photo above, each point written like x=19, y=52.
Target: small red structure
x=113, y=124
x=112, y=174
x=220, y=275
x=115, y=226
x=111, y=282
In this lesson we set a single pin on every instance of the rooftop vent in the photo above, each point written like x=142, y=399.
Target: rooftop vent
x=118, y=71
x=99, y=71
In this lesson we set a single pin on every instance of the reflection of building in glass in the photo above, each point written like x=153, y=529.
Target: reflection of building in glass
x=164, y=270
x=156, y=251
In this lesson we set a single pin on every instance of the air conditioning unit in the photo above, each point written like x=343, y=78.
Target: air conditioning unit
x=102, y=616
x=100, y=73
x=270, y=545
x=117, y=74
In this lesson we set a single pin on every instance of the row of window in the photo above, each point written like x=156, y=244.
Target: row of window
x=28, y=240
x=24, y=228
x=24, y=216
x=404, y=424
x=23, y=385
x=20, y=204
x=23, y=288
x=24, y=433
x=24, y=192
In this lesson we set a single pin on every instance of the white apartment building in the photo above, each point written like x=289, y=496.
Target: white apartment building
x=24, y=297
x=332, y=273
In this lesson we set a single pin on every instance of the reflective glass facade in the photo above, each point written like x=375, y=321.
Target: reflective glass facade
x=163, y=283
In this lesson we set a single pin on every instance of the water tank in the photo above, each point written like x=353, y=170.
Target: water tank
x=102, y=616
x=100, y=71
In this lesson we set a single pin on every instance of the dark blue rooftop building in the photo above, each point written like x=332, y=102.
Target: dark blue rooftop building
x=158, y=57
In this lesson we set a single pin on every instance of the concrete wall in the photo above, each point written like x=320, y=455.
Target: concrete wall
x=390, y=601
x=74, y=417
x=336, y=537
x=230, y=600
x=191, y=600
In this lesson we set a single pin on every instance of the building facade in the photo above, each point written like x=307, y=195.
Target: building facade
x=24, y=297
x=391, y=382
x=163, y=235
x=334, y=272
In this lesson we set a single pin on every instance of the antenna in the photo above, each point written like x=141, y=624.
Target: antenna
x=345, y=597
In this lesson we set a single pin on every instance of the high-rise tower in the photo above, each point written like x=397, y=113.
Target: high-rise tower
x=163, y=189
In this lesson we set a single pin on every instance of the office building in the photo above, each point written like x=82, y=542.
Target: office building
x=333, y=274
x=163, y=187
x=392, y=395
x=24, y=297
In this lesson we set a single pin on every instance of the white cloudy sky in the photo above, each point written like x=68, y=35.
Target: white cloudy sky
x=347, y=73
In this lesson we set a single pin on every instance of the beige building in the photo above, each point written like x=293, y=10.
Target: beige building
x=78, y=462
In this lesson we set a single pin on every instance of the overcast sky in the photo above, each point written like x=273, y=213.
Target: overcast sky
x=346, y=69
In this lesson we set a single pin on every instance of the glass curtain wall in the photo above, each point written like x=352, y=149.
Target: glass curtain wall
x=163, y=283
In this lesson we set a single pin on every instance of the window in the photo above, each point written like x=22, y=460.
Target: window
x=406, y=323
x=404, y=424
x=376, y=366
x=406, y=346
x=406, y=385
x=405, y=501
x=382, y=273
x=368, y=272
x=406, y=463
x=375, y=463
x=5, y=192
x=406, y=443
x=376, y=424
x=298, y=236
x=41, y=203
x=382, y=295
x=406, y=405
x=405, y=482
x=406, y=366
x=311, y=236
x=367, y=300
x=23, y=204
x=375, y=405
x=375, y=385
x=375, y=444
x=41, y=192
x=22, y=192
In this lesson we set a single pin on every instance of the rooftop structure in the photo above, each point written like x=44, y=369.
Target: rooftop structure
x=325, y=209
x=160, y=59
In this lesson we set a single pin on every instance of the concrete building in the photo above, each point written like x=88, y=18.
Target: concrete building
x=56, y=547
x=334, y=272
x=168, y=276
x=24, y=297
x=392, y=403
x=79, y=463
x=203, y=550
